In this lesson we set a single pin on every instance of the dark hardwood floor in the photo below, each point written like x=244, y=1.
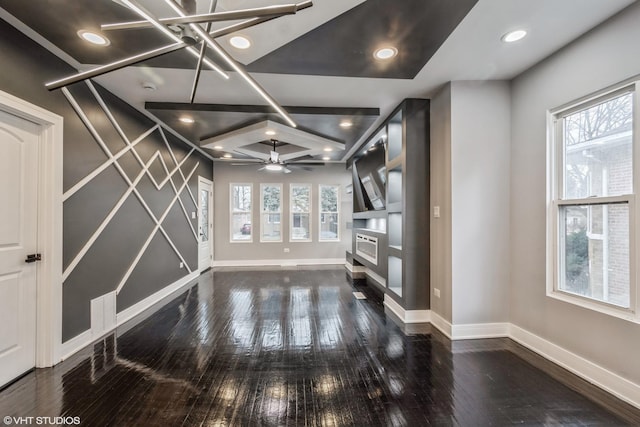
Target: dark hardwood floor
x=294, y=347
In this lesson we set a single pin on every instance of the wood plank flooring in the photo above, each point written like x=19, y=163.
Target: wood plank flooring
x=293, y=347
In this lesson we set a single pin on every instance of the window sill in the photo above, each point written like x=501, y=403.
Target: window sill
x=621, y=313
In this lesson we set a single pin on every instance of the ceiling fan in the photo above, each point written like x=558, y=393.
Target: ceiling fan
x=274, y=163
x=185, y=32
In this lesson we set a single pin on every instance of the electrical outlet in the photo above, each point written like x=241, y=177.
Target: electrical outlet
x=436, y=292
x=182, y=265
x=286, y=250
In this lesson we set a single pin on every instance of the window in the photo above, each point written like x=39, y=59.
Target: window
x=241, y=229
x=591, y=207
x=300, y=213
x=270, y=210
x=329, y=213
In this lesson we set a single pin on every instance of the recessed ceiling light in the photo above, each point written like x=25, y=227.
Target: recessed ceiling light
x=218, y=147
x=94, y=37
x=187, y=120
x=328, y=149
x=326, y=158
x=240, y=42
x=273, y=167
x=513, y=36
x=227, y=156
x=270, y=132
x=346, y=124
x=385, y=53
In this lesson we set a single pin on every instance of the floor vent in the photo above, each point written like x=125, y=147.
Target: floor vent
x=359, y=295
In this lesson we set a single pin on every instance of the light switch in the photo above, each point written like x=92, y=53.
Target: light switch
x=436, y=211
x=193, y=215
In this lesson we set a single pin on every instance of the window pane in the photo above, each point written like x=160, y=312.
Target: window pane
x=204, y=215
x=270, y=219
x=241, y=226
x=595, y=251
x=300, y=226
x=300, y=198
x=597, y=149
x=328, y=226
x=328, y=199
x=271, y=198
x=241, y=198
x=271, y=227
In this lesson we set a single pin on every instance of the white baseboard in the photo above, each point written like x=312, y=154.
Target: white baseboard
x=356, y=271
x=76, y=344
x=441, y=324
x=375, y=277
x=479, y=330
x=595, y=374
x=141, y=306
x=407, y=316
x=278, y=262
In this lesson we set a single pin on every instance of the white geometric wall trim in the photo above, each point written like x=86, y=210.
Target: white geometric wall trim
x=132, y=185
x=157, y=228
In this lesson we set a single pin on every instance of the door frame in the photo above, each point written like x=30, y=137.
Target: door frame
x=49, y=240
x=202, y=179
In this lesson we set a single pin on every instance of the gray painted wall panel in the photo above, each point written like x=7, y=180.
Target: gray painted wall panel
x=95, y=202
x=604, y=56
x=26, y=66
x=330, y=174
x=147, y=278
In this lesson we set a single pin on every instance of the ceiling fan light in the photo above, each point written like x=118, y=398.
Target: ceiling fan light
x=240, y=42
x=94, y=38
x=273, y=167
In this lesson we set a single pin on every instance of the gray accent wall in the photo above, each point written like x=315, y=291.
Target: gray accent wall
x=224, y=250
x=605, y=56
x=130, y=246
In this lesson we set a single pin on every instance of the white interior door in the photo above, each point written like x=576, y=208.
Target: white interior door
x=205, y=223
x=19, y=156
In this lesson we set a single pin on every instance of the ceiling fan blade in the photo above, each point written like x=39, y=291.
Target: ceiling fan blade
x=234, y=64
x=103, y=69
x=133, y=5
x=275, y=10
x=203, y=50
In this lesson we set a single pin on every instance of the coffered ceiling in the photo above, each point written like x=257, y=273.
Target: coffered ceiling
x=318, y=63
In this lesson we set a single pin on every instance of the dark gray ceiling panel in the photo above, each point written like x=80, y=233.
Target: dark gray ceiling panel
x=344, y=46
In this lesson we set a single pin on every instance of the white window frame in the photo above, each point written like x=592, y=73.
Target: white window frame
x=250, y=212
x=269, y=213
x=291, y=213
x=321, y=212
x=555, y=174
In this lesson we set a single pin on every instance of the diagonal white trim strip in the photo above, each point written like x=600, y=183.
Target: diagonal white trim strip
x=70, y=192
x=72, y=265
x=153, y=233
x=178, y=166
x=83, y=117
x=166, y=141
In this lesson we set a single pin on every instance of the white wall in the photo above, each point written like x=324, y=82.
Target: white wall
x=470, y=146
x=604, y=56
x=331, y=174
x=480, y=147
